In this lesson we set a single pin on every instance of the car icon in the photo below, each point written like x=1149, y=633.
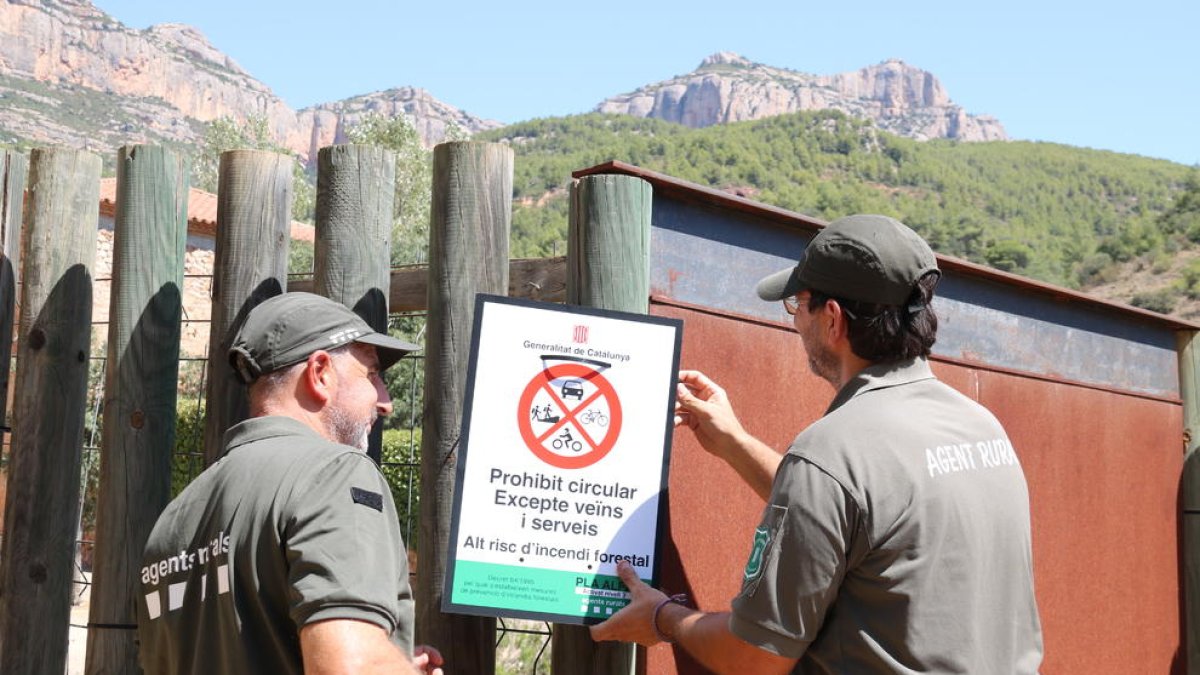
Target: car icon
x=573, y=388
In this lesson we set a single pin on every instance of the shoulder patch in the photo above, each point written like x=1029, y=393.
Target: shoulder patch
x=758, y=551
x=367, y=498
x=762, y=550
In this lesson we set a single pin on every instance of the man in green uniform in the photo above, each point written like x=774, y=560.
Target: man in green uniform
x=896, y=533
x=285, y=556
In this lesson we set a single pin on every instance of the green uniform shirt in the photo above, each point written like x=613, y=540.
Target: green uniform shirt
x=287, y=528
x=896, y=538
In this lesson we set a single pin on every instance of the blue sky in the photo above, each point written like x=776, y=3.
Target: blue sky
x=1122, y=76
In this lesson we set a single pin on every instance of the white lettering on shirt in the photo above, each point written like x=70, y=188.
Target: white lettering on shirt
x=200, y=559
x=153, y=604
x=957, y=457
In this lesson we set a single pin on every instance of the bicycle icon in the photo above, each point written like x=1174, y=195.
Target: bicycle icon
x=566, y=440
x=593, y=416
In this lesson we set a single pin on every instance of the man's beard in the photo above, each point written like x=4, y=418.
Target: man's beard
x=344, y=428
x=822, y=362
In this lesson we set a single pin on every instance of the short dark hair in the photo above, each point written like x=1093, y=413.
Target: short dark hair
x=885, y=333
x=271, y=381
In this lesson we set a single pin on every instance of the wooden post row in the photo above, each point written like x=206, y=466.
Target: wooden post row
x=468, y=254
x=13, y=169
x=1189, y=391
x=608, y=266
x=138, y=435
x=41, y=511
x=352, y=257
x=254, y=216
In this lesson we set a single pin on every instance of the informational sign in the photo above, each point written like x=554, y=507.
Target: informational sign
x=562, y=460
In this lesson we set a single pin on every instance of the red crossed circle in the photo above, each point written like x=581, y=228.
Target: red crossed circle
x=537, y=442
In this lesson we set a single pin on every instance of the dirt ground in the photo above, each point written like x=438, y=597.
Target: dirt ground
x=77, y=638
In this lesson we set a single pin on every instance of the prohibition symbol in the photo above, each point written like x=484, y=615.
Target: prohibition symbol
x=569, y=414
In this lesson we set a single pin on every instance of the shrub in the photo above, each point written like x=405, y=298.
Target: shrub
x=1162, y=300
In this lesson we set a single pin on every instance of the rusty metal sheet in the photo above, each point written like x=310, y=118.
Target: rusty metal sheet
x=711, y=512
x=710, y=256
x=1103, y=472
x=1102, y=466
x=1103, y=460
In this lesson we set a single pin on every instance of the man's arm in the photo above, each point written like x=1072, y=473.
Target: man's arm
x=706, y=637
x=703, y=407
x=347, y=646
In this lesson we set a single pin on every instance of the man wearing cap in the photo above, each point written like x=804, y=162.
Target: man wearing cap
x=895, y=537
x=285, y=555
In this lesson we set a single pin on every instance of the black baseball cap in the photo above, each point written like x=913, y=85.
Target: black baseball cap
x=866, y=258
x=285, y=329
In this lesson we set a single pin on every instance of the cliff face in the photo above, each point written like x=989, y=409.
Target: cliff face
x=433, y=118
x=729, y=88
x=71, y=74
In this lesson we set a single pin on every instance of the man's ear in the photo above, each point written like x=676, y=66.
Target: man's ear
x=319, y=376
x=839, y=323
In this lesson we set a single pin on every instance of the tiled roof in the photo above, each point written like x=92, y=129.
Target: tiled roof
x=202, y=212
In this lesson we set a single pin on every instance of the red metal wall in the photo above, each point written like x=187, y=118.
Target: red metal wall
x=1103, y=469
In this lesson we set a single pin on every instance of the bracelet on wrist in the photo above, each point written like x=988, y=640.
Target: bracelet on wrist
x=678, y=599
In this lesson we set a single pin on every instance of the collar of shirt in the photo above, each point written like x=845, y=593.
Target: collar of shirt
x=259, y=428
x=882, y=376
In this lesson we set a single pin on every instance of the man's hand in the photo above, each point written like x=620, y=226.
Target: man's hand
x=428, y=660
x=634, y=623
x=702, y=406
x=706, y=637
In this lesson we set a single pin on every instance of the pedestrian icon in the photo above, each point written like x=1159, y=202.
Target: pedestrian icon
x=543, y=414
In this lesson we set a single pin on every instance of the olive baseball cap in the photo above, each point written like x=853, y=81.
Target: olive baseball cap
x=285, y=329
x=866, y=258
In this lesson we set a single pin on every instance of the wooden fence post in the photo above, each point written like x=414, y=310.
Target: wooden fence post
x=13, y=169
x=608, y=266
x=356, y=189
x=139, y=392
x=1189, y=391
x=42, y=508
x=254, y=217
x=468, y=254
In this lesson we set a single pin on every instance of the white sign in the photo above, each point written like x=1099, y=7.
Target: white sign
x=562, y=461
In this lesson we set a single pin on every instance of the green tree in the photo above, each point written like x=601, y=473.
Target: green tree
x=301, y=257
x=414, y=177
x=400, y=461
x=187, y=459
x=1184, y=215
x=1056, y=213
x=225, y=134
x=1008, y=255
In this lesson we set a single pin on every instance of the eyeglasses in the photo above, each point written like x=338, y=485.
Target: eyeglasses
x=791, y=305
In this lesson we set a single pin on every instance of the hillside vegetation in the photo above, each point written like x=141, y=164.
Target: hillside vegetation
x=1071, y=216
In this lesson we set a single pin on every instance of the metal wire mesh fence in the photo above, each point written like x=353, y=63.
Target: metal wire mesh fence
x=522, y=647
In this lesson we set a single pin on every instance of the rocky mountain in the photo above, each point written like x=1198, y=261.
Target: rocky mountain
x=727, y=87
x=432, y=118
x=70, y=74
